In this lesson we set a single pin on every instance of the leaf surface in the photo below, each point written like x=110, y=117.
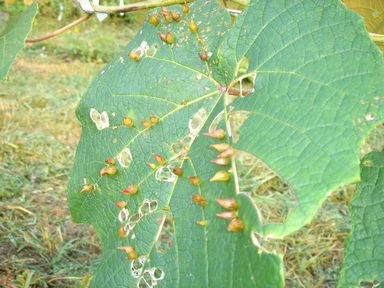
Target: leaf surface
x=13, y=36
x=364, y=253
x=318, y=93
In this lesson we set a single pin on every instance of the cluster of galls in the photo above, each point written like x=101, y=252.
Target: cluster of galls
x=231, y=206
x=222, y=159
x=225, y=153
x=109, y=170
x=170, y=16
x=153, y=120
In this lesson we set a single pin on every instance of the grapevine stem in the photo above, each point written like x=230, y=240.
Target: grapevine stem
x=109, y=10
x=61, y=30
x=137, y=6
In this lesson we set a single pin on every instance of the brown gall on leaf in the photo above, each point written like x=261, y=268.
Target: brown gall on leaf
x=164, y=11
x=185, y=8
x=146, y=123
x=228, y=203
x=166, y=209
x=220, y=176
x=217, y=134
x=194, y=180
x=168, y=18
x=131, y=252
x=177, y=171
x=227, y=153
x=161, y=36
x=203, y=223
x=159, y=159
x=134, y=56
x=152, y=165
x=121, y=232
x=175, y=16
x=199, y=199
x=154, y=119
x=130, y=190
x=110, y=161
x=227, y=215
x=154, y=19
x=236, y=225
x=193, y=26
x=87, y=188
x=169, y=38
x=220, y=147
x=220, y=161
x=110, y=170
x=121, y=204
x=203, y=56
x=128, y=122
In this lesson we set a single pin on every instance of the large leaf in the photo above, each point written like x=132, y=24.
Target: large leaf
x=364, y=255
x=13, y=36
x=318, y=77
x=319, y=91
x=373, y=13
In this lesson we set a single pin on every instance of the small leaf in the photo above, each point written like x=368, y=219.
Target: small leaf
x=364, y=252
x=13, y=36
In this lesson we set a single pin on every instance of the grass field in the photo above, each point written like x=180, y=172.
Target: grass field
x=40, y=246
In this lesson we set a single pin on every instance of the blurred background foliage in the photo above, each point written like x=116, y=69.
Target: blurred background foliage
x=39, y=132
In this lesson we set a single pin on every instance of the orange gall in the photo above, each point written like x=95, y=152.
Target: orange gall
x=216, y=134
x=134, y=56
x=110, y=170
x=220, y=147
x=220, y=176
x=177, y=171
x=227, y=153
x=130, y=190
x=159, y=159
x=175, y=16
x=128, y=122
x=131, y=252
x=220, y=161
x=193, y=26
x=121, y=204
x=228, y=203
x=236, y=225
x=154, y=19
x=87, y=188
x=199, y=199
x=185, y=8
x=194, y=180
x=227, y=215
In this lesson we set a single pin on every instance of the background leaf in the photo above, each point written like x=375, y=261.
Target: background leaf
x=13, y=36
x=364, y=254
x=318, y=94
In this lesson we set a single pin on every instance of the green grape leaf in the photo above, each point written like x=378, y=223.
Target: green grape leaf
x=318, y=94
x=364, y=253
x=13, y=36
x=373, y=13
x=315, y=98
